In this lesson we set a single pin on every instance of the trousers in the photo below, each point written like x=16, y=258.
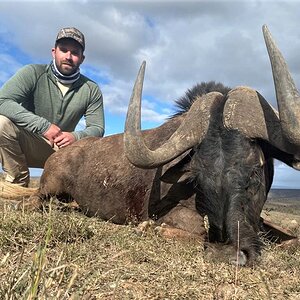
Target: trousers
x=20, y=150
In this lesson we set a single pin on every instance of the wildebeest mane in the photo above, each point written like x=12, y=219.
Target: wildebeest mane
x=184, y=103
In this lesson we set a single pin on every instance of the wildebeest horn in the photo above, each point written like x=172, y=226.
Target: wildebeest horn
x=189, y=133
x=287, y=95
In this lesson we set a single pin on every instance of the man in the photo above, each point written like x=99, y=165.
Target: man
x=41, y=105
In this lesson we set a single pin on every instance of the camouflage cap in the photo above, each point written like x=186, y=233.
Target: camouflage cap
x=71, y=33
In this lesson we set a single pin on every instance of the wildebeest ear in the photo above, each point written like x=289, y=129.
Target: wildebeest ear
x=178, y=171
x=248, y=112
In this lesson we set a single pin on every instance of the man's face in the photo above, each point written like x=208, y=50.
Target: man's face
x=68, y=56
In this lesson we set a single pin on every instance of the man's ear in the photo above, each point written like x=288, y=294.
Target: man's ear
x=53, y=50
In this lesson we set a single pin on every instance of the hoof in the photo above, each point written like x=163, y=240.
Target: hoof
x=143, y=227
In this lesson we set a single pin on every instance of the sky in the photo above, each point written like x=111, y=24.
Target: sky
x=182, y=42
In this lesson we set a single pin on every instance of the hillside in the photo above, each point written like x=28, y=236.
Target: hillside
x=284, y=193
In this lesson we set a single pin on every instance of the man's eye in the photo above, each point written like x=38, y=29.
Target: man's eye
x=74, y=52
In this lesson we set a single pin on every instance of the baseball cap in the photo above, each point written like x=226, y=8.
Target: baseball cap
x=71, y=33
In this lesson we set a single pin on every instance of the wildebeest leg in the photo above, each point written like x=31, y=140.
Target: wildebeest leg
x=180, y=222
x=277, y=234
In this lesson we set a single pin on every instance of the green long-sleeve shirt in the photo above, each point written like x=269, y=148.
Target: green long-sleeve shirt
x=33, y=100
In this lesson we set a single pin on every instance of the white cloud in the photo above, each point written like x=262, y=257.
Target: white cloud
x=221, y=40
x=8, y=66
x=183, y=42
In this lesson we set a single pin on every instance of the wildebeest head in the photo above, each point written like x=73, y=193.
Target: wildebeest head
x=231, y=188
x=245, y=110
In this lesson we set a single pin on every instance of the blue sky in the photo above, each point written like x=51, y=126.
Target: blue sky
x=183, y=42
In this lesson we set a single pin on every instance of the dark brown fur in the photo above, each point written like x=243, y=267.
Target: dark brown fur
x=96, y=173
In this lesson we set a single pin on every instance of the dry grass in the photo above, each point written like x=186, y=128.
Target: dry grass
x=59, y=254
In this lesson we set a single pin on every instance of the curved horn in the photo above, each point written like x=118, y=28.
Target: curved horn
x=189, y=133
x=287, y=95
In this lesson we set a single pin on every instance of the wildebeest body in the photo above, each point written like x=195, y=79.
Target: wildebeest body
x=96, y=173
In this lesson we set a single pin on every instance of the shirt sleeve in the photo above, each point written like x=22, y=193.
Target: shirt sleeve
x=15, y=96
x=94, y=116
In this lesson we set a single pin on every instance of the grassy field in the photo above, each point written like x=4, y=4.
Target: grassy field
x=62, y=254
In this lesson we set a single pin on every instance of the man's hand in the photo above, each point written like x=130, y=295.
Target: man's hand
x=64, y=139
x=59, y=138
x=52, y=132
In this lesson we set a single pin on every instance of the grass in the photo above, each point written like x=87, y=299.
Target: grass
x=58, y=254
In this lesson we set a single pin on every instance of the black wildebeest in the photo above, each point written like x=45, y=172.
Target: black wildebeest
x=221, y=150
x=234, y=138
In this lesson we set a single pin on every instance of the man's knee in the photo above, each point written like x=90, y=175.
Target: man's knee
x=7, y=128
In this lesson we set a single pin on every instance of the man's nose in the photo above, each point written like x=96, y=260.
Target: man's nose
x=68, y=55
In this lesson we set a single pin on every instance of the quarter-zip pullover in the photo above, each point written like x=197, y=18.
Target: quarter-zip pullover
x=32, y=99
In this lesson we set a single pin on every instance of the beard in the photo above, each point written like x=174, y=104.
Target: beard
x=66, y=68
